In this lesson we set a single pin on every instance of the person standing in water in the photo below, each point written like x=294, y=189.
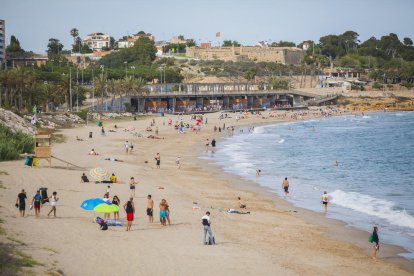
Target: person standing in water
x=375, y=241
x=285, y=185
x=325, y=201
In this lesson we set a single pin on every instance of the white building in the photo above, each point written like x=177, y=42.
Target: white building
x=97, y=41
x=131, y=40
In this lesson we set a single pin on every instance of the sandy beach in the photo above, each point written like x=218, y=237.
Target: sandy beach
x=275, y=239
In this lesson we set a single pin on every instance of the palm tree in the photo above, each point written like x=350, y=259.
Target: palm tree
x=74, y=32
x=100, y=84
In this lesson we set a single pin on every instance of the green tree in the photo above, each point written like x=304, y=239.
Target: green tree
x=190, y=42
x=282, y=43
x=408, y=41
x=229, y=43
x=14, y=46
x=142, y=53
x=54, y=46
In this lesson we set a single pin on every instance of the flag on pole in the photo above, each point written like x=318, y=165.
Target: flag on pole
x=218, y=34
x=34, y=109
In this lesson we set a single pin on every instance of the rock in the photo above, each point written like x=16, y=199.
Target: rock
x=15, y=122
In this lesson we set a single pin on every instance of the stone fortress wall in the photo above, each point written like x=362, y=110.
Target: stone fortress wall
x=284, y=55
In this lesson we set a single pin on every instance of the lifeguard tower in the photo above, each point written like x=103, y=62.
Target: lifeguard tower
x=43, y=149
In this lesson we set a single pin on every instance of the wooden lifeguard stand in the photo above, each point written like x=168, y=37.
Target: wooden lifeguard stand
x=43, y=148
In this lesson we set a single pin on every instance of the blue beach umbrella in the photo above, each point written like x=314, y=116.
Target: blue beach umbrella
x=90, y=204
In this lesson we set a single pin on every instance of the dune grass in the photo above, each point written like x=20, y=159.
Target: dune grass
x=14, y=143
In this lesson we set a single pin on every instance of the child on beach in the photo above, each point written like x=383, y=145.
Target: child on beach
x=53, y=202
x=150, y=209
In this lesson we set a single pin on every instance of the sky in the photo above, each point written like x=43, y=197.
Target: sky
x=33, y=22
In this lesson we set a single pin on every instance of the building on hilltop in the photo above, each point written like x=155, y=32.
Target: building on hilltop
x=2, y=42
x=97, y=41
x=130, y=40
x=178, y=40
x=284, y=55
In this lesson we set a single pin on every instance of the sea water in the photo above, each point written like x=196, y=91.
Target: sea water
x=365, y=163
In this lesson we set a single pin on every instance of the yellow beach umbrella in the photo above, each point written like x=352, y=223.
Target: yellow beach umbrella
x=106, y=208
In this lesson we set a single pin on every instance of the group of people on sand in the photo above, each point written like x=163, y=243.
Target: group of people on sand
x=164, y=213
x=37, y=202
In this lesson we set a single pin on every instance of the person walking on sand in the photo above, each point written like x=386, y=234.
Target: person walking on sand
x=53, y=202
x=36, y=202
x=285, y=185
x=150, y=209
x=162, y=212
x=21, y=202
x=158, y=160
x=126, y=145
x=129, y=208
x=132, y=186
x=178, y=162
x=325, y=201
x=206, y=221
x=375, y=241
x=207, y=144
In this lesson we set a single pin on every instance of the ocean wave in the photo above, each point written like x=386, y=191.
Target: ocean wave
x=373, y=206
x=259, y=130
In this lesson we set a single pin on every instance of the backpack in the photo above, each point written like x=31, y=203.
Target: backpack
x=104, y=226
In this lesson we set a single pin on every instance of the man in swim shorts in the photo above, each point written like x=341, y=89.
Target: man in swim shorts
x=163, y=214
x=150, y=209
x=285, y=185
x=21, y=202
x=325, y=201
x=36, y=202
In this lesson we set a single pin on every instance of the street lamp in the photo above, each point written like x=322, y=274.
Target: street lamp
x=133, y=71
x=126, y=69
x=77, y=90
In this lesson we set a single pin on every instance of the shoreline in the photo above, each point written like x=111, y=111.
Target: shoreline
x=334, y=227
x=342, y=228
x=271, y=240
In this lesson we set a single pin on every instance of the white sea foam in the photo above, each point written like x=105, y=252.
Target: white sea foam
x=259, y=130
x=281, y=141
x=373, y=206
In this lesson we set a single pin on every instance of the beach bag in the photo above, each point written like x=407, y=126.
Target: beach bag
x=211, y=241
x=371, y=238
x=104, y=226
